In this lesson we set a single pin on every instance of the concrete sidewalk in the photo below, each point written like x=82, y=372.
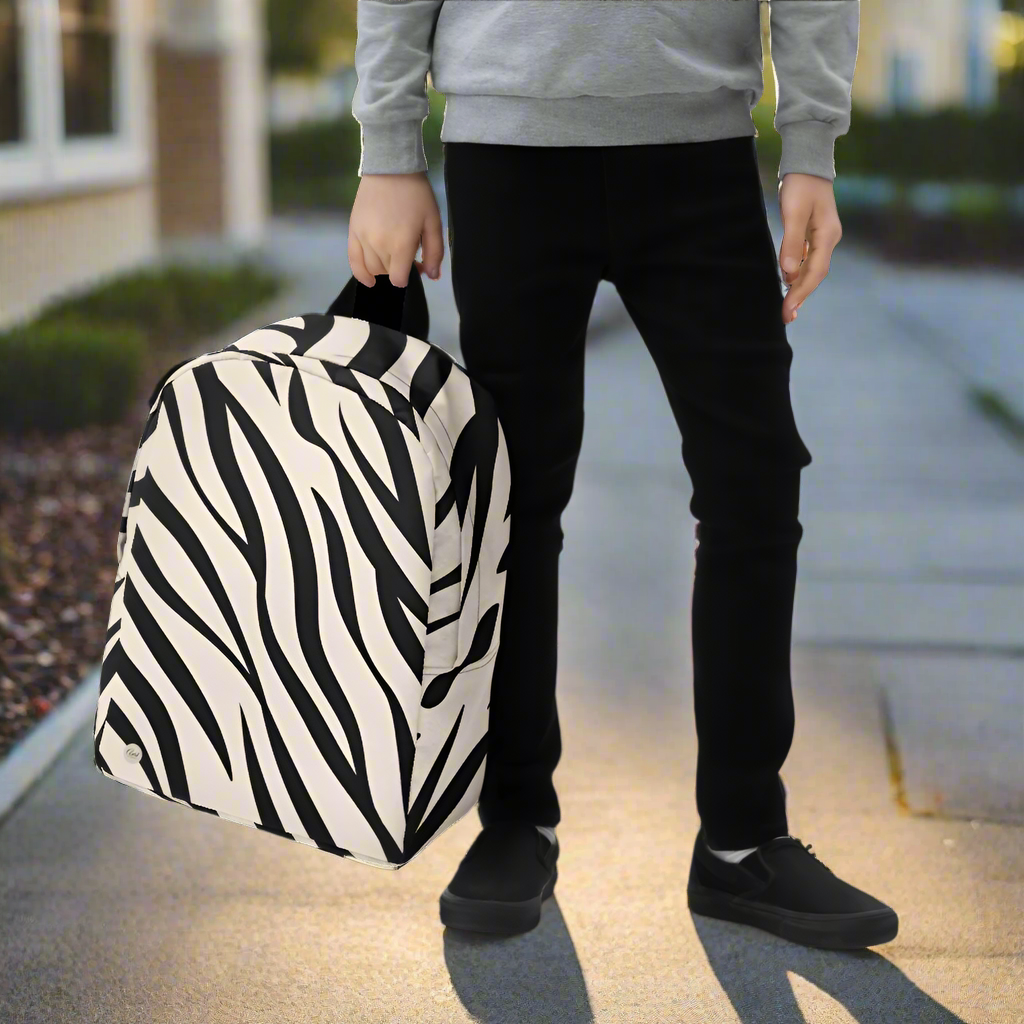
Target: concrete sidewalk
x=123, y=909
x=914, y=509
x=971, y=321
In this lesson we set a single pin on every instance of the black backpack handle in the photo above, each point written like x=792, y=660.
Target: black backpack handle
x=401, y=309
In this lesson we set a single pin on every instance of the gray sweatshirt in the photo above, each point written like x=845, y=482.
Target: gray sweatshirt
x=601, y=73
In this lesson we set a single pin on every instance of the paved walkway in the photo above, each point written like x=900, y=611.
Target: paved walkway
x=120, y=909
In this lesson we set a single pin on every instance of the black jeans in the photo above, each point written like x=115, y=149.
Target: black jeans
x=681, y=231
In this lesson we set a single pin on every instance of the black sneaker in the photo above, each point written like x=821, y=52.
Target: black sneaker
x=502, y=881
x=784, y=889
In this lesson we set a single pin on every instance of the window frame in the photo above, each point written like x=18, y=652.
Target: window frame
x=45, y=163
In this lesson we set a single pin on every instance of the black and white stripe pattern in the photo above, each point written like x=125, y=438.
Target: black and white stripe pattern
x=308, y=596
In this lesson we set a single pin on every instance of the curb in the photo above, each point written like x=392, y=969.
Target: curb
x=35, y=753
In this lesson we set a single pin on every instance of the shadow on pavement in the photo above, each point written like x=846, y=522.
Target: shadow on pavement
x=867, y=985
x=538, y=976
x=531, y=977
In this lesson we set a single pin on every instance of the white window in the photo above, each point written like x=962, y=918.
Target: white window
x=981, y=72
x=904, y=80
x=72, y=96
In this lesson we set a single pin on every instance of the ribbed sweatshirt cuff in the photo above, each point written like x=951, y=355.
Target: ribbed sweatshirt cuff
x=392, y=148
x=808, y=147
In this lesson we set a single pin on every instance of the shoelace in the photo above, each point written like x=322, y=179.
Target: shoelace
x=807, y=847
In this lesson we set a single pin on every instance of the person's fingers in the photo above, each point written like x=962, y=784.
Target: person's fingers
x=371, y=264
x=433, y=245
x=813, y=272
x=376, y=261
x=375, y=258
x=400, y=263
x=794, y=240
x=357, y=262
x=791, y=278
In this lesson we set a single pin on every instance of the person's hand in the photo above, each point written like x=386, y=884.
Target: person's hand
x=812, y=230
x=393, y=214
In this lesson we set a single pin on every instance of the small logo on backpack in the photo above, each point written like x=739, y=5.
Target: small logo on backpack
x=133, y=753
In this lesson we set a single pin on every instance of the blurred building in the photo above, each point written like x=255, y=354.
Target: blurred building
x=909, y=61
x=125, y=126
x=922, y=56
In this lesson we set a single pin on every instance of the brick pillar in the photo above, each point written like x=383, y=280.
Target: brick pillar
x=210, y=113
x=190, y=165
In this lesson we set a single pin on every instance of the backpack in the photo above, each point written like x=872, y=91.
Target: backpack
x=310, y=576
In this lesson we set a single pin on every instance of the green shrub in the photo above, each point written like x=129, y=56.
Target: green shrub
x=173, y=303
x=321, y=149
x=976, y=202
x=951, y=145
x=61, y=374
x=337, y=192
x=945, y=145
x=316, y=166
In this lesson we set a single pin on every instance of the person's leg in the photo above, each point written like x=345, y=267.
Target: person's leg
x=526, y=257
x=694, y=262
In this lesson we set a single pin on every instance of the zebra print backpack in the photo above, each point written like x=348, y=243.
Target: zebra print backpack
x=309, y=586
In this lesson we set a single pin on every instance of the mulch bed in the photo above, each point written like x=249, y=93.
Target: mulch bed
x=60, y=511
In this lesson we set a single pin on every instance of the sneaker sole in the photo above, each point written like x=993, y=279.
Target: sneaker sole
x=494, y=917
x=823, y=931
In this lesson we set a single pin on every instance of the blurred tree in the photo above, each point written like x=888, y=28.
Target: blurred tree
x=1010, y=53
x=304, y=35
